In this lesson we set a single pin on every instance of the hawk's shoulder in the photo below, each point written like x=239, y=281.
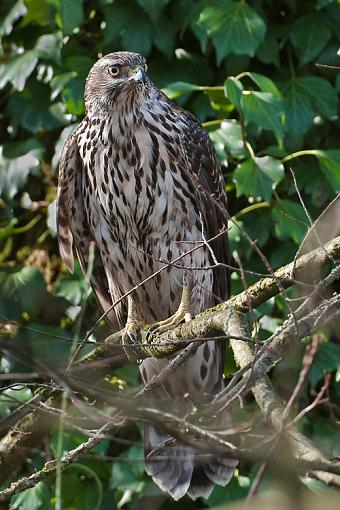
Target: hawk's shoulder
x=205, y=174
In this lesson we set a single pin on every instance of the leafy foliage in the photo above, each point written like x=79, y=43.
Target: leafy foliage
x=247, y=70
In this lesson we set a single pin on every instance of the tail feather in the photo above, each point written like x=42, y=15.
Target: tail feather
x=178, y=470
x=200, y=486
x=170, y=467
x=220, y=470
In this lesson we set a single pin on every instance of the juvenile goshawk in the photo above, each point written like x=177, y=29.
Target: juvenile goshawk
x=140, y=178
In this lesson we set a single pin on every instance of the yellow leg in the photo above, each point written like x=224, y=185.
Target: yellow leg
x=131, y=336
x=181, y=314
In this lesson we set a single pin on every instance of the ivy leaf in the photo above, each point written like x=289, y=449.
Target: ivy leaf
x=59, y=81
x=81, y=488
x=14, y=173
x=153, y=7
x=268, y=51
x=228, y=139
x=234, y=27
x=39, y=13
x=35, y=498
x=74, y=95
x=305, y=95
x=138, y=37
x=71, y=287
x=298, y=108
x=237, y=490
x=322, y=95
x=264, y=109
x=233, y=89
x=18, y=69
x=258, y=177
x=164, y=35
x=290, y=220
x=327, y=360
x=265, y=84
x=120, y=22
x=48, y=46
x=72, y=15
x=310, y=35
x=6, y=25
x=117, y=17
x=31, y=109
x=330, y=165
x=21, y=290
x=176, y=89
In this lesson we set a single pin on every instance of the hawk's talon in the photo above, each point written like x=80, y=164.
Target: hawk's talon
x=168, y=324
x=132, y=339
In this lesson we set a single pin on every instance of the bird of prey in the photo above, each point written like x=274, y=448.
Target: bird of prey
x=139, y=178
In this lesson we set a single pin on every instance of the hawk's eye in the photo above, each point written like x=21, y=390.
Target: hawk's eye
x=113, y=71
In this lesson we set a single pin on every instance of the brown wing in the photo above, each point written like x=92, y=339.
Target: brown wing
x=205, y=175
x=72, y=224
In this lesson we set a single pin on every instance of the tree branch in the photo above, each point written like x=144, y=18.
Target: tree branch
x=211, y=323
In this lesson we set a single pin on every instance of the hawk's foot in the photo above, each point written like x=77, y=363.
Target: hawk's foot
x=171, y=322
x=132, y=339
x=181, y=314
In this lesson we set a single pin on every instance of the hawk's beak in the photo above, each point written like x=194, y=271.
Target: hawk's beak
x=139, y=75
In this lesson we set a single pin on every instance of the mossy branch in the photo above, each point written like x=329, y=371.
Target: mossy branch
x=211, y=323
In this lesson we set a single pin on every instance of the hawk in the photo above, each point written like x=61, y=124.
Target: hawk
x=139, y=178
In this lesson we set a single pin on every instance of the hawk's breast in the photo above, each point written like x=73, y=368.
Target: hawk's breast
x=141, y=209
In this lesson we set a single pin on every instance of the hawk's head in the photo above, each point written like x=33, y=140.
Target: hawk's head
x=112, y=76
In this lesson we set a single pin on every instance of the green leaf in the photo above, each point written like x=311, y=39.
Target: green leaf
x=303, y=97
x=129, y=474
x=323, y=3
x=258, y=224
x=117, y=17
x=264, y=109
x=290, y=220
x=236, y=490
x=326, y=360
x=228, y=139
x=153, y=7
x=18, y=69
x=330, y=165
x=268, y=51
x=164, y=35
x=71, y=286
x=176, y=89
x=59, y=81
x=310, y=35
x=48, y=46
x=14, y=173
x=121, y=22
x=265, y=84
x=322, y=95
x=81, y=488
x=234, y=27
x=21, y=290
x=233, y=89
x=72, y=15
x=31, y=109
x=38, y=12
x=36, y=498
x=6, y=24
x=138, y=37
x=74, y=95
x=298, y=108
x=258, y=177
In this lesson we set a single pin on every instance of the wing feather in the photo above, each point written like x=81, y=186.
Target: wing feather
x=205, y=174
x=72, y=224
